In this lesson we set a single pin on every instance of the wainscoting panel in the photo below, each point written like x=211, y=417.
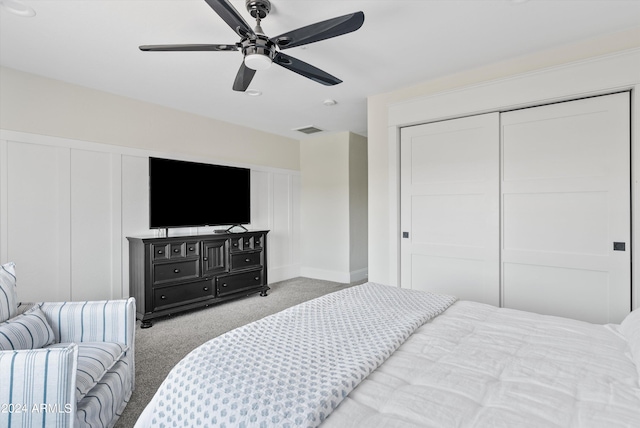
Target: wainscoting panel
x=95, y=185
x=67, y=206
x=37, y=232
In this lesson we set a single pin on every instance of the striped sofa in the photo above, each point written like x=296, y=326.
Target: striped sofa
x=66, y=364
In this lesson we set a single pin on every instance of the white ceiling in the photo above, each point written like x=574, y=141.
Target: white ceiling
x=94, y=43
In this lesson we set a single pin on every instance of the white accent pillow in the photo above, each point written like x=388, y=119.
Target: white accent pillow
x=8, y=295
x=27, y=331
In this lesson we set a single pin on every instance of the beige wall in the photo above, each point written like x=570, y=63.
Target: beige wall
x=38, y=105
x=381, y=231
x=333, y=207
x=358, y=202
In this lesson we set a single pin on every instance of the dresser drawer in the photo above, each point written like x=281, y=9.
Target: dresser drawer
x=159, y=251
x=230, y=284
x=247, y=243
x=175, y=295
x=245, y=260
x=174, y=250
x=176, y=271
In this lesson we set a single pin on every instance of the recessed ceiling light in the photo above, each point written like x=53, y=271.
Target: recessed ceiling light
x=253, y=92
x=329, y=102
x=17, y=8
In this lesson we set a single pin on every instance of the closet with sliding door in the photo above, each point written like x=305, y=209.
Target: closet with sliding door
x=528, y=208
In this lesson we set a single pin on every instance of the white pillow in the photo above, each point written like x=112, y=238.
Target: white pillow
x=630, y=328
x=8, y=295
x=27, y=331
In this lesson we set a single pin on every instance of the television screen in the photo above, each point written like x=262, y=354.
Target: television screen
x=185, y=194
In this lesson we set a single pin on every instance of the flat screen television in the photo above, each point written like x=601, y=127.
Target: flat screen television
x=189, y=194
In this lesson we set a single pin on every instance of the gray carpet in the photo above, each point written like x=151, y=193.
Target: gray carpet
x=160, y=347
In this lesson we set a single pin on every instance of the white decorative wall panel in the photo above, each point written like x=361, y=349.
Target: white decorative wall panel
x=37, y=233
x=92, y=222
x=67, y=207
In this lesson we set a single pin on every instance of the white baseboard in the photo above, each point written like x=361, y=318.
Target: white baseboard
x=335, y=276
x=359, y=275
x=282, y=273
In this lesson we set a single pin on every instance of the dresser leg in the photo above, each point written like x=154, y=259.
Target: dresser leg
x=146, y=324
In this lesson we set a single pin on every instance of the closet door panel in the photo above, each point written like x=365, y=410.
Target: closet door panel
x=449, y=207
x=565, y=201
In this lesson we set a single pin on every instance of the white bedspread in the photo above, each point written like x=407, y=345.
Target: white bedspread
x=292, y=368
x=479, y=366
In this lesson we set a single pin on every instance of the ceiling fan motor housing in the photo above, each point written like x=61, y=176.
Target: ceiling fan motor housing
x=261, y=45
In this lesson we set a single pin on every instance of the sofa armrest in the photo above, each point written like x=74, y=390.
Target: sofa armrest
x=37, y=387
x=93, y=321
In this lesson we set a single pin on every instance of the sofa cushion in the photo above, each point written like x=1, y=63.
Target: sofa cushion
x=108, y=397
x=94, y=360
x=8, y=294
x=27, y=331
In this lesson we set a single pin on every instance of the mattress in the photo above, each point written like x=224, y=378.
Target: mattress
x=461, y=364
x=476, y=365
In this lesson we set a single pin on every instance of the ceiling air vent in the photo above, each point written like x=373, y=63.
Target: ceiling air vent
x=308, y=129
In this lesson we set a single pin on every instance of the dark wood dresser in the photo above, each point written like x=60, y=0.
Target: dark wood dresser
x=175, y=274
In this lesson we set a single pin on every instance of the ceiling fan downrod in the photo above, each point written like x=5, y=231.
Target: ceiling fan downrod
x=260, y=51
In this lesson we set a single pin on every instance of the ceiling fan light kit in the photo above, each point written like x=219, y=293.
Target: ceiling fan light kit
x=260, y=51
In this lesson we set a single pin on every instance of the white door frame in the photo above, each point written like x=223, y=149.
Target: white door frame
x=595, y=76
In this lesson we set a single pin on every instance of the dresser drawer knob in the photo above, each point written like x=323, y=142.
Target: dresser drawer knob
x=205, y=259
x=176, y=250
x=205, y=288
x=247, y=260
x=257, y=278
x=191, y=248
x=224, y=284
x=163, y=297
x=176, y=271
x=160, y=252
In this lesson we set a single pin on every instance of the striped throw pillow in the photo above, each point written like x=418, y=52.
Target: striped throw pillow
x=8, y=295
x=27, y=331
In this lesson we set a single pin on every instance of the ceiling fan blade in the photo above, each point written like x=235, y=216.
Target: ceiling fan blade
x=243, y=78
x=320, y=31
x=306, y=70
x=215, y=48
x=231, y=16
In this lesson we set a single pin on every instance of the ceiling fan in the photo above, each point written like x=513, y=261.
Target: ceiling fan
x=260, y=51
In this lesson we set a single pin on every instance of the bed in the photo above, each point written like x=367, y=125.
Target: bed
x=380, y=356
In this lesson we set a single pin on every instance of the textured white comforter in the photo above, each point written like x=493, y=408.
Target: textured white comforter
x=292, y=368
x=479, y=366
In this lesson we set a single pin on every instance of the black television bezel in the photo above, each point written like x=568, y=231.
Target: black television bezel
x=201, y=189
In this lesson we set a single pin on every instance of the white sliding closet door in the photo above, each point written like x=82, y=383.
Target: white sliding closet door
x=566, y=209
x=450, y=207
